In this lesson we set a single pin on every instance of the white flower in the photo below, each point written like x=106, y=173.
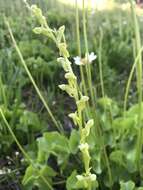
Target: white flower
x=92, y=177
x=91, y=57
x=124, y=22
x=77, y=60
x=89, y=177
x=2, y=172
x=80, y=177
x=22, y=160
x=83, y=146
x=16, y=153
x=7, y=157
x=8, y=171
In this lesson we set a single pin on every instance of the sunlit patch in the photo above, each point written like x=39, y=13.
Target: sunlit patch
x=92, y=4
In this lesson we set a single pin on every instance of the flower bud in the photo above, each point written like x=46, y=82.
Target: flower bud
x=65, y=63
x=81, y=103
x=37, y=30
x=63, y=50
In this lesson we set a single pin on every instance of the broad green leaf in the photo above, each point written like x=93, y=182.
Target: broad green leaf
x=118, y=157
x=53, y=143
x=134, y=110
x=30, y=175
x=96, y=160
x=56, y=142
x=47, y=171
x=124, y=123
x=71, y=181
x=74, y=141
x=129, y=185
x=29, y=120
x=105, y=102
x=33, y=178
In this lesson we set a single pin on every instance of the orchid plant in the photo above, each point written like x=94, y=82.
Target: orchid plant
x=87, y=179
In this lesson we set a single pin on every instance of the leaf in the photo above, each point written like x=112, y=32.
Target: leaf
x=105, y=102
x=96, y=161
x=129, y=185
x=47, y=171
x=109, y=105
x=53, y=143
x=124, y=123
x=74, y=141
x=134, y=110
x=33, y=178
x=29, y=120
x=56, y=142
x=30, y=176
x=118, y=157
x=71, y=181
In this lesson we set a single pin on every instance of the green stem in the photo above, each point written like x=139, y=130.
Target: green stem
x=130, y=79
x=79, y=47
x=30, y=76
x=22, y=150
x=108, y=167
x=88, y=69
x=100, y=63
x=100, y=136
x=139, y=84
x=3, y=91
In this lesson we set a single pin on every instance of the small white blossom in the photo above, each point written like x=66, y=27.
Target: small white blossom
x=91, y=57
x=83, y=146
x=22, y=160
x=77, y=60
x=16, y=153
x=7, y=157
x=124, y=22
x=8, y=171
x=2, y=172
x=92, y=177
x=80, y=177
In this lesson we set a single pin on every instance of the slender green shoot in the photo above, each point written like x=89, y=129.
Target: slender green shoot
x=88, y=68
x=100, y=63
x=79, y=46
x=130, y=79
x=22, y=150
x=2, y=89
x=139, y=84
x=30, y=77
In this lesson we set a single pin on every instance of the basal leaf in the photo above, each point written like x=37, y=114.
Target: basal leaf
x=129, y=185
x=74, y=141
x=71, y=181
